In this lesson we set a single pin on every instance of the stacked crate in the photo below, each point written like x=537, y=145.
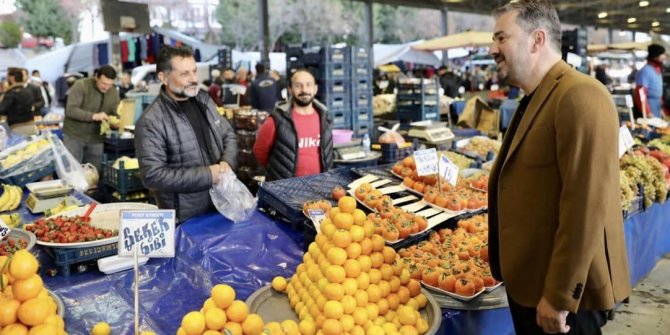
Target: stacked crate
x=361, y=92
x=247, y=121
x=418, y=100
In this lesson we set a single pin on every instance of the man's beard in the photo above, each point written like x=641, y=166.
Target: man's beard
x=303, y=103
x=188, y=91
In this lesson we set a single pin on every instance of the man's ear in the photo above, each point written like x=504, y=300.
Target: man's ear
x=162, y=77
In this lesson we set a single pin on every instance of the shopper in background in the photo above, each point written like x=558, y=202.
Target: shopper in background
x=282, y=87
x=181, y=142
x=555, y=227
x=448, y=81
x=263, y=90
x=242, y=79
x=90, y=101
x=126, y=85
x=35, y=91
x=17, y=104
x=227, y=95
x=304, y=146
x=47, y=92
x=650, y=81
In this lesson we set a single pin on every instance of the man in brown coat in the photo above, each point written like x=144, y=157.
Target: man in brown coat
x=556, y=228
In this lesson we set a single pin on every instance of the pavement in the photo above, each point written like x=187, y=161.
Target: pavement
x=648, y=312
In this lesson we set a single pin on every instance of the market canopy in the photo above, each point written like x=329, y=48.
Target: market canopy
x=389, y=53
x=626, y=46
x=461, y=40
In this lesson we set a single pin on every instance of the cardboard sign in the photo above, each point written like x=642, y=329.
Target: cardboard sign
x=426, y=161
x=150, y=231
x=316, y=215
x=625, y=140
x=4, y=230
x=448, y=170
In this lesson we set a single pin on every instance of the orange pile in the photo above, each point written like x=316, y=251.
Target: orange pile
x=350, y=282
x=25, y=305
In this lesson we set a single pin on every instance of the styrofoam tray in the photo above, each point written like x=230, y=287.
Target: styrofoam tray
x=454, y=295
x=114, y=264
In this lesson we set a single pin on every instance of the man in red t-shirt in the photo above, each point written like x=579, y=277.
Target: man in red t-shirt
x=296, y=140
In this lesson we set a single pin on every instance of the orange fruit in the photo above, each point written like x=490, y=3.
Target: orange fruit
x=376, y=259
x=233, y=328
x=389, y=255
x=8, y=311
x=406, y=315
x=211, y=332
x=343, y=221
x=237, y=311
x=421, y=300
x=360, y=316
x=394, y=284
x=347, y=322
x=389, y=328
x=328, y=229
x=23, y=265
x=366, y=246
x=375, y=330
x=336, y=255
x=366, y=263
x=422, y=325
x=331, y=326
x=253, y=324
x=223, y=295
x=27, y=288
x=359, y=217
x=377, y=242
x=193, y=323
x=335, y=274
x=15, y=329
x=43, y=329
x=374, y=293
x=385, y=287
x=393, y=300
x=408, y=330
x=350, y=286
x=403, y=294
x=361, y=298
x=348, y=304
x=209, y=303
x=383, y=306
x=279, y=283
x=375, y=276
x=56, y=321
x=357, y=233
x=34, y=311
x=334, y=291
x=290, y=327
x=347, y=204
x=387, y=271
x=101, y=328
x=373, y=311
x=332, y=212
x=414, y=287
x=369, y=229
x=342, y=238
x=357, y=330
x=333, y=309
x=273, y=328
x=352, y=268
x=215, y=318
x=353, y=250
x=363, y=280
x=307, y=327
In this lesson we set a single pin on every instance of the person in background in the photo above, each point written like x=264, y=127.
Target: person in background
x=263, y=90
x=125, y=85
x=227, y=96
x=633, y=74
x=304, y=146
x=17, y=104
x=242, y=79
x=601, y=75
x=45, y=91
x=35, y=91
x=449, y=81
x=556, y=234
x=282, y=87
x=90, y=101
x=181, y=141
x=650, y=81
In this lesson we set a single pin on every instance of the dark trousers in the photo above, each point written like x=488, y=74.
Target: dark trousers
x=582, y=323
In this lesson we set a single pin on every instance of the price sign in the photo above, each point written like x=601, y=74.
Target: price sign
x=448, y=170
x=625, y=140
x=4, y=230
x=150, y=231
x=316, y=215
x=426, y=161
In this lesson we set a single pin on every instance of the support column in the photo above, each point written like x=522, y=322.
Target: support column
x=444, y=30
x=369, y=30
x=610, y=36
x=264, y=41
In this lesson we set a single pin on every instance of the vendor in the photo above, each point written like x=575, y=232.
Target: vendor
x=181, y=142
x=16, y=104
x=304, y=146
x=650, y=81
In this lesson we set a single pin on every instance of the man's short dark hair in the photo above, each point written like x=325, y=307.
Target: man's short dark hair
x=260, y=68
x=442, y=68
x=107, y=71
x=293, y=73
x=165, y=55
x=16, y=73
x=533, y=14
x=35, y=72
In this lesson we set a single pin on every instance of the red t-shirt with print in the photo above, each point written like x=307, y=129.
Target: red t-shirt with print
x=308, y=129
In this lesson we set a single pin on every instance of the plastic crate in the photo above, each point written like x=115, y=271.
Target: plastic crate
x=341, y=118
x=335, y=100
x=360, y=55
x=361, y=122
x=245, y=139
x=361, y=99
x=420, y=113
x=285, y=198
x=115, y=143
x=337, y=86
x=361, y=71
x=335, y=55
x=30, y=176
x=121, y=179
x=381, y=171
x=391, y=153
x=333, y=72
x=64, y=258
x=361, y=85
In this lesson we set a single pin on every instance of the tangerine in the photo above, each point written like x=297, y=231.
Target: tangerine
x=23, y=265
x=223, y=295
x=193, y=323
x=34, y=311
x=215, y=318
x=253, y=324
x=347, y=204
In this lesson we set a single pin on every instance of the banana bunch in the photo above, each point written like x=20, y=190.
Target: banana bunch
x=11, y=197
x=27, y=152
x=11, y=220
x=60, y=208
x=107, y=125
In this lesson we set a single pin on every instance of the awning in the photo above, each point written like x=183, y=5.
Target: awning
x=466, y=39
x=625, y=46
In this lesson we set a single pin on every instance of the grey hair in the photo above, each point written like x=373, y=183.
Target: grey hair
x=533, y=14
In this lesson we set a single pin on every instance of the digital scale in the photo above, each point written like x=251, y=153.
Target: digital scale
x=48, y=194
x=431, y=132
x=349, y=151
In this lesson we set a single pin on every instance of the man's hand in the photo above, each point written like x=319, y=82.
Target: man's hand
x=101, y=116
x=225, y=167
x=216, y=169
x=551, y=320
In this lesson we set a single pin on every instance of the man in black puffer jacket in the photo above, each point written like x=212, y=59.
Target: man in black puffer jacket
x=181, y=142
x=17, y=104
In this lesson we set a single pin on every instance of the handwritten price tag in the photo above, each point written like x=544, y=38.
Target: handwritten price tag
x=426, y=161
x=150, y=231
x=4, y=230
x=625, y=140
x=316, y=215
x=448, y=170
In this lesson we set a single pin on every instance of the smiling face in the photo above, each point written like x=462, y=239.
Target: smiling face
x=511, y=49
x=182, y=80
x=303, y=88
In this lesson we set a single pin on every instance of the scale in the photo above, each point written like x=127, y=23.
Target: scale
x=431, y=131
x=48, y=194
x=349, y=151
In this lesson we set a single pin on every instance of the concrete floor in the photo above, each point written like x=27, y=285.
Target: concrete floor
x=648, y=312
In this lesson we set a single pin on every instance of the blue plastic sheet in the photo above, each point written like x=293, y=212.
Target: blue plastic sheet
x=647, y=239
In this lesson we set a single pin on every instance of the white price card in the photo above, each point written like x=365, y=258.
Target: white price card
x=625, y=140
x=150, y=231
x=316, y=215
x=448, y=170
x=4, y=230
x=426, y=161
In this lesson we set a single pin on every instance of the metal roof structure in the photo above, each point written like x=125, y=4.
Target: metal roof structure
x=654, y=15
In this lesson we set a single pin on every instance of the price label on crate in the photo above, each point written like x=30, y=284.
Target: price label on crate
x=150, y=231
x=426, y=161
x=448, y=170
x=625, y=140
x=4, y=230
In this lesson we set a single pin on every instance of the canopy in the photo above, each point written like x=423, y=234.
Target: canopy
x=389, y=53
x=465, y=39
x=625, y=46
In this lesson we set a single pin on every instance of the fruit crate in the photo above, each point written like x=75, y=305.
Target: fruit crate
x=381, y=171
x=417, y=113
x=392, y=153
x=115, y=147
x=361, y=99
x=637, y=205
x=67, y=258
x=285, y=198
x=335, y=100
x=361, y=122
x=360, y=55
x=121, y=179
x=335, y=71
x=341, y=118
x=361, y=71
x=33, y=175
x=336, y=86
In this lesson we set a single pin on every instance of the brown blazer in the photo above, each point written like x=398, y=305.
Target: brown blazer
x=559, y=230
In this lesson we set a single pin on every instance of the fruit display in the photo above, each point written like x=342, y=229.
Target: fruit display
x=130, y=196
x=481, y=146
x=350, y=282
x=107, y=125
x=27, y=152
x=10, y=198
x=646, y=171
x=11, y=220
x=317, y=204
x=221, y=313
x=9, y=247
x=459, y=160
x=128, y=163
x=25, y=305
x=62, y=206
x=455, y=261
x=68, y=230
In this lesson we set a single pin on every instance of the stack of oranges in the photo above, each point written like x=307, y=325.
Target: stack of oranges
x=350, y=282
x=222, y=314
x=25, y=305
